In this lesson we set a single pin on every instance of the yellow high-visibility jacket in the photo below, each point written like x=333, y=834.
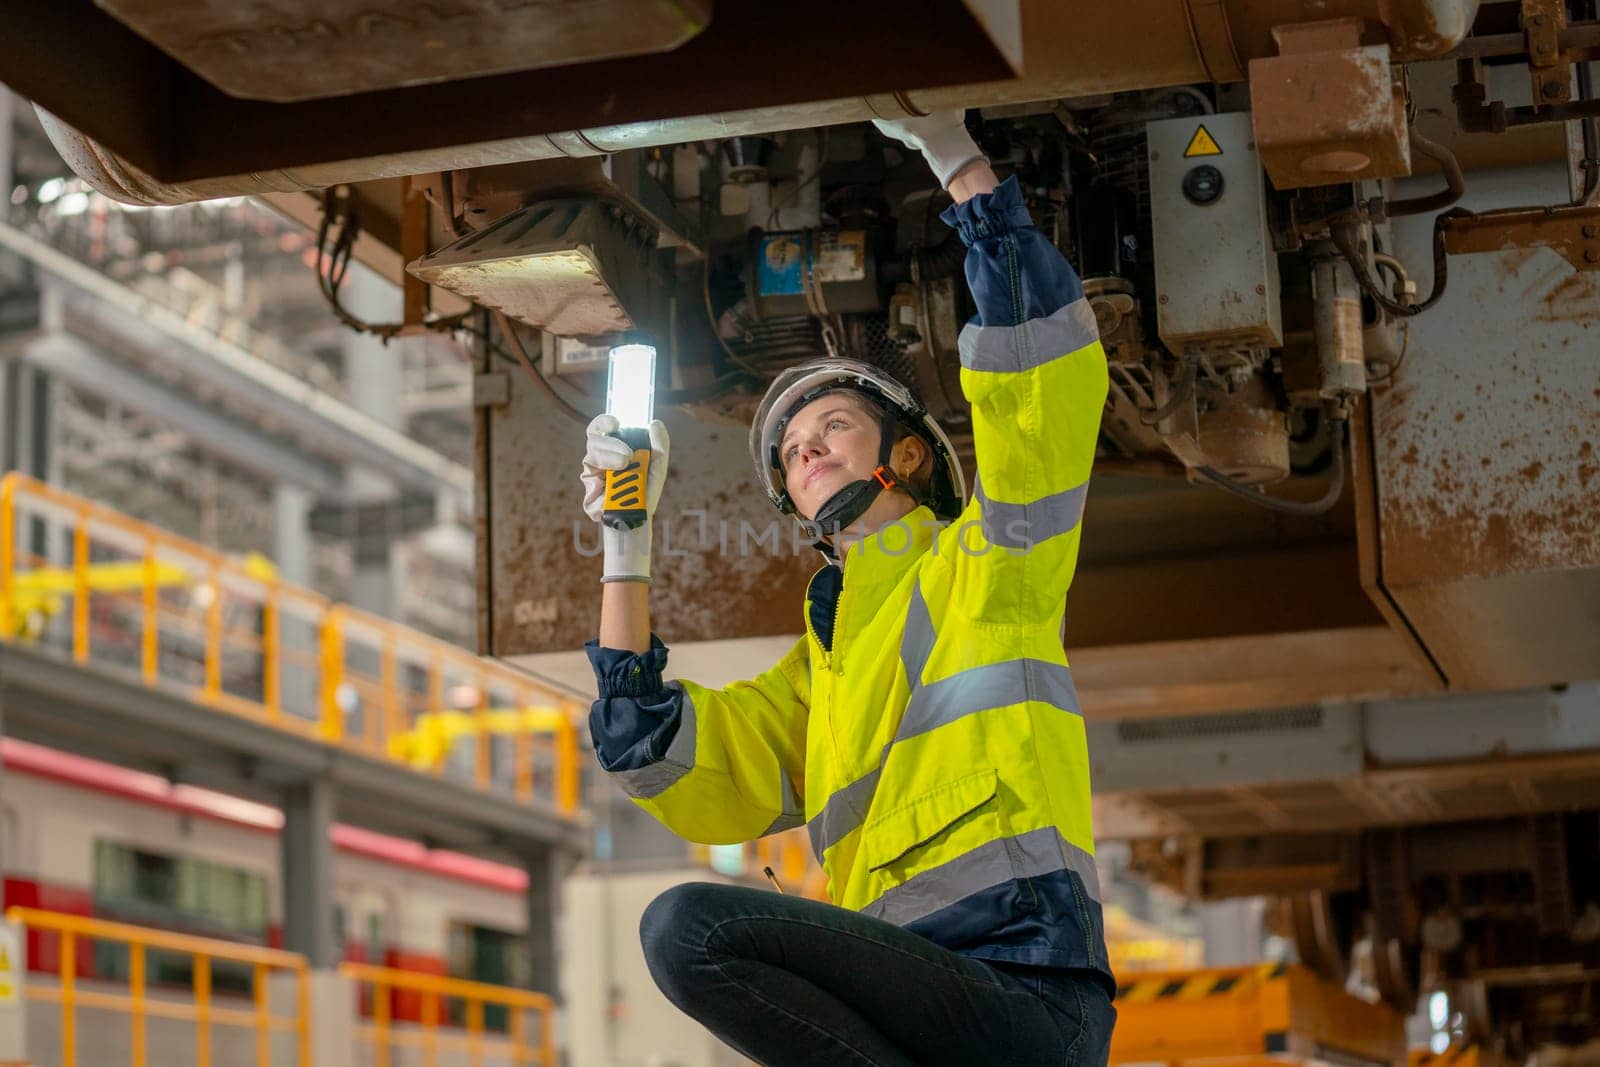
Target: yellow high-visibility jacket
x=934, y=746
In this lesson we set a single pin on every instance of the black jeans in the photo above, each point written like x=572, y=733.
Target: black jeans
x=786, y=980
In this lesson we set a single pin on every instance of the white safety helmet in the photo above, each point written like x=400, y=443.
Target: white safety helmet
x=798, y=386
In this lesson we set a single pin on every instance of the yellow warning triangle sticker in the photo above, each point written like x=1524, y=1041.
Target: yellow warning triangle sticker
x=1202, y=144
x=5, y=960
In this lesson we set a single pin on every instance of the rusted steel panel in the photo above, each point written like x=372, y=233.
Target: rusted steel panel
x=725, y=563
x=287, y=50
x=1487, y=459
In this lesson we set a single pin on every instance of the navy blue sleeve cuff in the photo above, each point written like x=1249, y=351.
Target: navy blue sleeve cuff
x=637, y=715
x=620, y=673
x=989, y=214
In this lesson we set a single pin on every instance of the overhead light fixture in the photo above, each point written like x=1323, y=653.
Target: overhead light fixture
x=573, y=268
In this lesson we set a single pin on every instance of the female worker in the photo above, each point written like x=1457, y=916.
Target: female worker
x=925, y=728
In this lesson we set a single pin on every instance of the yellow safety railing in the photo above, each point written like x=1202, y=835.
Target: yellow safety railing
x=204, y=1010
x=528, y=1037
x=236, y=639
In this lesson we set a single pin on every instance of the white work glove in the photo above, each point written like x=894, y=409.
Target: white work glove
x=942, y=138
x=627, y=552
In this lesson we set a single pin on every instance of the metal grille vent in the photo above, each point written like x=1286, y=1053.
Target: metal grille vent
x=871, y=337
x=1182, y=727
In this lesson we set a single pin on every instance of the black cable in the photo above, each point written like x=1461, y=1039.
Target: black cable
x=1185, y=389
x=534, y=372
x=333, y=265
x=1319, y=506
x=1455, y=184
x=711, y=320
x=1344, y=231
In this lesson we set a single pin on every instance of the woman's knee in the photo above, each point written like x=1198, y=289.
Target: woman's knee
x=674, y=931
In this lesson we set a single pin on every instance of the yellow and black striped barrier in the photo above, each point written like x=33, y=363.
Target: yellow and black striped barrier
x=1208, y=983
x=1274, y=1013
x=1467, y=1054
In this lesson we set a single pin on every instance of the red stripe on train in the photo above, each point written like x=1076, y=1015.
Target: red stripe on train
x=155, y=791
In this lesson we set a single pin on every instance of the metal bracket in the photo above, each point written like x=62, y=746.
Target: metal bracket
x=1543, y=21
x=1573, y=233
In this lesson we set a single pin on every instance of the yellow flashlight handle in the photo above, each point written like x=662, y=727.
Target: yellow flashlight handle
x=623, y=507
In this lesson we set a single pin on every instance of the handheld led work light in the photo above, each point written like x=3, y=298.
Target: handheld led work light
x=630, y=396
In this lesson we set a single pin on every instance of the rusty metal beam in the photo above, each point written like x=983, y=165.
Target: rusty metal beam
x=1573, y=233
x=103, y=79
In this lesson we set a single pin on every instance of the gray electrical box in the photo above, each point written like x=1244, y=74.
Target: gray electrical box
x=1216, y=272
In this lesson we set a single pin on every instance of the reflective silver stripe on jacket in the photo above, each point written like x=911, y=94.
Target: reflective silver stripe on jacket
x=1010, y=349
x=1026, y=525
x=843, y=812
x=1037, y=852
x=994, y=685
x=794, y=810
x=656, y=778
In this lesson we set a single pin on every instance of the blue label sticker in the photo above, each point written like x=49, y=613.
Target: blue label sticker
x=781, y=259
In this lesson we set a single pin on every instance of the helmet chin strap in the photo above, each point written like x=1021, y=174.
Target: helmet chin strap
x=851, y=502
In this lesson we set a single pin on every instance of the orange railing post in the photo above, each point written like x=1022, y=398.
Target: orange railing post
x=567, y=768
x=332, y=678
x=380, y=1022
x=475, y=1032
x=430, y=1029
x=202, y=1010
x=136, y=960
x=150, y=626
x=67, y=945
x=214, y=634
x=302, y=1000
x=8, y=547
x=258, y=987
x=547, y=1039
x=485, y=754
x=271, y=693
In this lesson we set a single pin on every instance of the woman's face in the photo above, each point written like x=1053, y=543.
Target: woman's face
x=830, y=443
x=827, y=444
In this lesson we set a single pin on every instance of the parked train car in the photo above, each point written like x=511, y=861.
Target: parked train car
x=87, y=838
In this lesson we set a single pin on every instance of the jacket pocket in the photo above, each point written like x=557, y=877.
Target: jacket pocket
x=888, y=837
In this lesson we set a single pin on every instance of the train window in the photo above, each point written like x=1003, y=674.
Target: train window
x=11, y=840
x=485, y=954
x=177, y=893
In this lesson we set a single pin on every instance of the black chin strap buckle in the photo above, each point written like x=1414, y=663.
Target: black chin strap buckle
x=885, y=477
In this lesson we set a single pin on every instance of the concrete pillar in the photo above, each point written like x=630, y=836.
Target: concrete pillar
x=307, y=865
x=7, y=146
x=291, y=554
x=291, y=533
x=13, y=1007
x=373, y=370
x=334, y=1009
x=547, y=871
x=26, y=438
